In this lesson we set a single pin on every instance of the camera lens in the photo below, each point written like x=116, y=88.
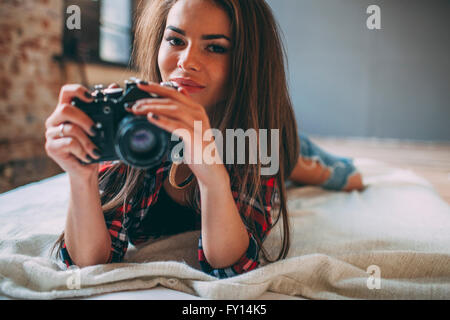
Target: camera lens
x=142, y=140
x=141, y=144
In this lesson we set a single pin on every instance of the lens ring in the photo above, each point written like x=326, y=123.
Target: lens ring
x=128, y=128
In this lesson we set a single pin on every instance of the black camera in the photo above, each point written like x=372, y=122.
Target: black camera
x=122, y=135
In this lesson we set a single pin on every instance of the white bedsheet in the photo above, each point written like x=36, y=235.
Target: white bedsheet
x=399, y=224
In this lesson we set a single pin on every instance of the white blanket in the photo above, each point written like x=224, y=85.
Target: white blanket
x=398, y=227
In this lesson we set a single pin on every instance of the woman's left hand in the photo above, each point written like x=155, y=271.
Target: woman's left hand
x=177, y=110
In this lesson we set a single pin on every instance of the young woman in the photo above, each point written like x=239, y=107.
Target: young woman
x=227, y=58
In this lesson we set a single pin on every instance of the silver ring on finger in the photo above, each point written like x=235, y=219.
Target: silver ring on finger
x=61, y=130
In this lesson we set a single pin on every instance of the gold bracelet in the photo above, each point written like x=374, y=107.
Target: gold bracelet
x=185, y=183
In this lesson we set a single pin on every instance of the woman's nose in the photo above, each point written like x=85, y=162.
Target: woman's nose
x=188, y=60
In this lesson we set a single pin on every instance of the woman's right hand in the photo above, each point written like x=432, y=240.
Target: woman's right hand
x=67, y=130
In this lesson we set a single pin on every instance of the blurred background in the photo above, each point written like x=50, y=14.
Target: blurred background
x=347, y=80
x=382, y=94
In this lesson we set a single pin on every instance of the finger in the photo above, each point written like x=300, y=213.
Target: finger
x=68, y=146
x=152, y=101
x=71, y=130
x=148, y=104
x=166, y=123
x=68, y=158
x=183, y=91
x=69, y=113
x=170, y=104
x=152, y=87
x=70, y=91
x=171, y=111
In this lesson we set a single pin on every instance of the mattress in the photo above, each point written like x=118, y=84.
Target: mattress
x=390, y=241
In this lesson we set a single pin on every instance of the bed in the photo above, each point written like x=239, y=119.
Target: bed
x=390, y=241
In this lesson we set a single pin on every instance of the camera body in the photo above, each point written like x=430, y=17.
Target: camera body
x=122, y=135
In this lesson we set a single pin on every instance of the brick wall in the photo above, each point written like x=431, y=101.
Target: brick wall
x=30, y=80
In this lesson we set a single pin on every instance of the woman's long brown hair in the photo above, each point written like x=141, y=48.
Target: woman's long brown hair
x=258, y=99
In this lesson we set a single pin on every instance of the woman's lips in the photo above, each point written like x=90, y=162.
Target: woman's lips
x=190, y=85
x=192, y=89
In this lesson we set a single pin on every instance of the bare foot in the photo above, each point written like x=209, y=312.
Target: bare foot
x=309, y=172
x=354, y=183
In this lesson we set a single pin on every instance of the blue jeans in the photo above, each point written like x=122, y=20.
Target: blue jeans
x=341, y=168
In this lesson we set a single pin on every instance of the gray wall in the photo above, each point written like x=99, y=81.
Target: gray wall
x=347, y=80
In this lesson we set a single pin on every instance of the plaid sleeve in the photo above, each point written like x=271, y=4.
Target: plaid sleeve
x=114, y=223
x=261, y=215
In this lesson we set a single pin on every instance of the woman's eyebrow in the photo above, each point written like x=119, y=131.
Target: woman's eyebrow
x=204, y=37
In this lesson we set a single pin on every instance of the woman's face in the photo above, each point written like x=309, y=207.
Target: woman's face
x=196, y=46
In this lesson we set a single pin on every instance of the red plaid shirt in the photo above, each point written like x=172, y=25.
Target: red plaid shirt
x=126, y=225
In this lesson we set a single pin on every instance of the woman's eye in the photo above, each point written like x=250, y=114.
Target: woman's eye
x=174, y=41
x=217, y=49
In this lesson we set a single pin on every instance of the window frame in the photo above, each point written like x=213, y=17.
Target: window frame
x=89, y=35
